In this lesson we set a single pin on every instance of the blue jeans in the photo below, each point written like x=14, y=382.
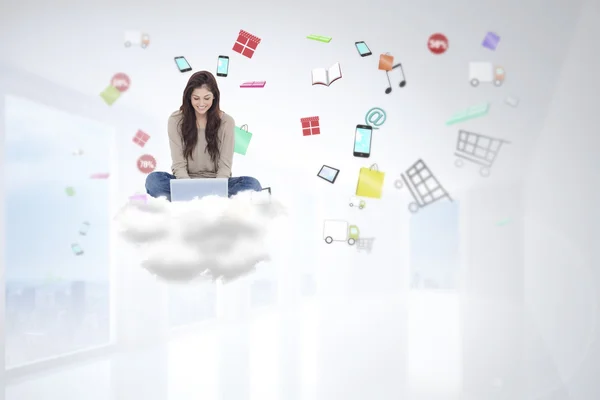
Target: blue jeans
x=158, y=184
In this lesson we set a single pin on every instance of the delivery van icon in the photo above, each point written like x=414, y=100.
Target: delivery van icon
x=485, y=72
x=137, y=38
x=356, y=202
x=339, y=231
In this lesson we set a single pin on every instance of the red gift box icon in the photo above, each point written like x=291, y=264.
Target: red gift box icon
x=141, y=138
x=310, y=126
x=246, y=44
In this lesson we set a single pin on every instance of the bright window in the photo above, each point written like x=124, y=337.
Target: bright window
x=57, y=232
x=434, y=246
x=192, y=303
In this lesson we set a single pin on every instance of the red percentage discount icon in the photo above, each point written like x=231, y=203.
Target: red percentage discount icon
x=121, y=82
x=146, y=163
x=437, y=43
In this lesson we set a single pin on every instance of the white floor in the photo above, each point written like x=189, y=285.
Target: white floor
x=358, y=351
x=426, y=346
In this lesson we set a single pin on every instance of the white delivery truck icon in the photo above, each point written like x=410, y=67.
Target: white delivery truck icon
x=356, y=202
x=485, y=72
x=137, y=38
x=339, y=231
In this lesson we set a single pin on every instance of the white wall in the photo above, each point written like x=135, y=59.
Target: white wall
x=562, y=269
x=2, y=246
x=492, y=290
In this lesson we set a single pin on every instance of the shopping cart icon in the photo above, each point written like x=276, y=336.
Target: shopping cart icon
x=423, y=186
x=479, y=149
x=365, y=244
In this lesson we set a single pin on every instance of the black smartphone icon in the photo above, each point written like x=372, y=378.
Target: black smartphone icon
x=362, y=141
x=223, y=66
x=182, y=64
x=363, y=49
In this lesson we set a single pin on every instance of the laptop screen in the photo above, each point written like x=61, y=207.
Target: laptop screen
x=189, y=189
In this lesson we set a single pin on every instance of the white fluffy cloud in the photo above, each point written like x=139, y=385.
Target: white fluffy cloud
x=212, y=237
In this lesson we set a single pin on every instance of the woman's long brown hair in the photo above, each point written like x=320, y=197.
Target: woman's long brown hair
x=188, y=128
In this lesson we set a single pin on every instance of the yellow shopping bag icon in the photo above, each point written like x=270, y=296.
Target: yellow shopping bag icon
x=370, y=182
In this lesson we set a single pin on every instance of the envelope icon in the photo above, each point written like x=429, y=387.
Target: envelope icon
x=386, y=61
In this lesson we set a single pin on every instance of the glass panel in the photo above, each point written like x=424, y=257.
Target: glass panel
x=309, y=285
x=263, y=293
x=57, y=232
x=434, y=246
x=192, y=303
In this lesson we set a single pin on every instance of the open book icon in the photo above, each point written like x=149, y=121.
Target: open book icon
x=322, y=76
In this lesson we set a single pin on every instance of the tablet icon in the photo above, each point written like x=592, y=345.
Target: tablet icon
x=328, y=173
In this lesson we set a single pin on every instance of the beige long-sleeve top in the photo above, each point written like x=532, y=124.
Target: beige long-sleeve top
x=201, y=166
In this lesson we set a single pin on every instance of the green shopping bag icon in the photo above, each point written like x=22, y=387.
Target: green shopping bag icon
x=242, y=140
x=110, y=94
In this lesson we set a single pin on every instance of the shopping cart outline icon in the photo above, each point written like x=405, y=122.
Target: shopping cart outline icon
x=365, y=244
x=422, y=185
x=479, y=149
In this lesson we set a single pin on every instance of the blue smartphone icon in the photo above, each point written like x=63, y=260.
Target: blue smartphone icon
x=77, y=250
x=182, y=64
x=362, y=141
x=363, y=49
x=223, y=66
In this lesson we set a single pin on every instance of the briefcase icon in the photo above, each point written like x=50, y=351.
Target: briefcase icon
x=386, y=61
x=242, y=140
x=370, y=182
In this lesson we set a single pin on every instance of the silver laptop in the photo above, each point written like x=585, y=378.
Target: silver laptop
x=189, y=189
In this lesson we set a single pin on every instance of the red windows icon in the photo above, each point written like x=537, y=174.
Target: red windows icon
x=437, y=43
x=246, y=44
x=141, y=138
x=310, y=126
